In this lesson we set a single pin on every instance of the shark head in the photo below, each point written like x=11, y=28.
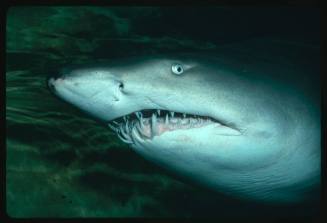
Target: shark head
x=228, y=127
x=155, y=95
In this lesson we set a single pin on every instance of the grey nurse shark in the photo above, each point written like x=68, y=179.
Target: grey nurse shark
x=244, y=121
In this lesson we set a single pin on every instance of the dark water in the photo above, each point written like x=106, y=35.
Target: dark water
x=60, y=163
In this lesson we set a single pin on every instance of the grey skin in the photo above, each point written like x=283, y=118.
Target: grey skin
x=244, y=123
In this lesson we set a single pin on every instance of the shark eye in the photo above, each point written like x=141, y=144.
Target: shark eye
x=177, y=69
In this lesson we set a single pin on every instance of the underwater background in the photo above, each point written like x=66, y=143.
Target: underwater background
x=61, y=163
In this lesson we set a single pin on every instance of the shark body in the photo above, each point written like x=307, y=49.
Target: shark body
x=246, y=124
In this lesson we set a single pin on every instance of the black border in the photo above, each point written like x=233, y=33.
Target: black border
x=4, y=217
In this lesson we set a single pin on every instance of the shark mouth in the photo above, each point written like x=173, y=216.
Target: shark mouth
x=153, y=122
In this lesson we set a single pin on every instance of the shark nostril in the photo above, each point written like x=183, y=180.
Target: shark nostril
x=121, y=86
x=51, y=84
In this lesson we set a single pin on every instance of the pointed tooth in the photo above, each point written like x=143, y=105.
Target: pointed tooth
x=139, y=115
x=124, y=132
x=136, y=135
x=112, y=127
x=117, y=131
x=126, y=136
x=121, y=128
x=166, y=119
x=153, y=119
x=124, y=140
x=172, y=114
x=125, y=118
x=184, y=115
x=141, y=122
x=158, y=111
x=115, y=122
x=126, y=126
x=139, y=128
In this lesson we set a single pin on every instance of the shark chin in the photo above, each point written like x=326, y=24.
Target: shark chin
x=243, y=123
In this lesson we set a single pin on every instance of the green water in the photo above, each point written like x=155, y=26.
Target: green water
x=59, y=162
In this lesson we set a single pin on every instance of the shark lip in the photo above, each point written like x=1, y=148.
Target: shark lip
x=154, y=122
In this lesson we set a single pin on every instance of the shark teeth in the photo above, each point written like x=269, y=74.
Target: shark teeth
x=138, y=115
x=154, y=124
x=112, y=126
x=172, y=114
x=124, y=140
x=124, y=133
x=139, y=128
x=148, y=123
x=166, y=119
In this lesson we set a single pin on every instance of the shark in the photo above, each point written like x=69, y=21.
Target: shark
x=243, y=120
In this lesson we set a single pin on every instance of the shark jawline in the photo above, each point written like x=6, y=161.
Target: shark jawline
x=154, y=122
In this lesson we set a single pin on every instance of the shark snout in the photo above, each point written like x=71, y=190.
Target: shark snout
x=52, y=81
x=95, y=91
x=50, y=84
